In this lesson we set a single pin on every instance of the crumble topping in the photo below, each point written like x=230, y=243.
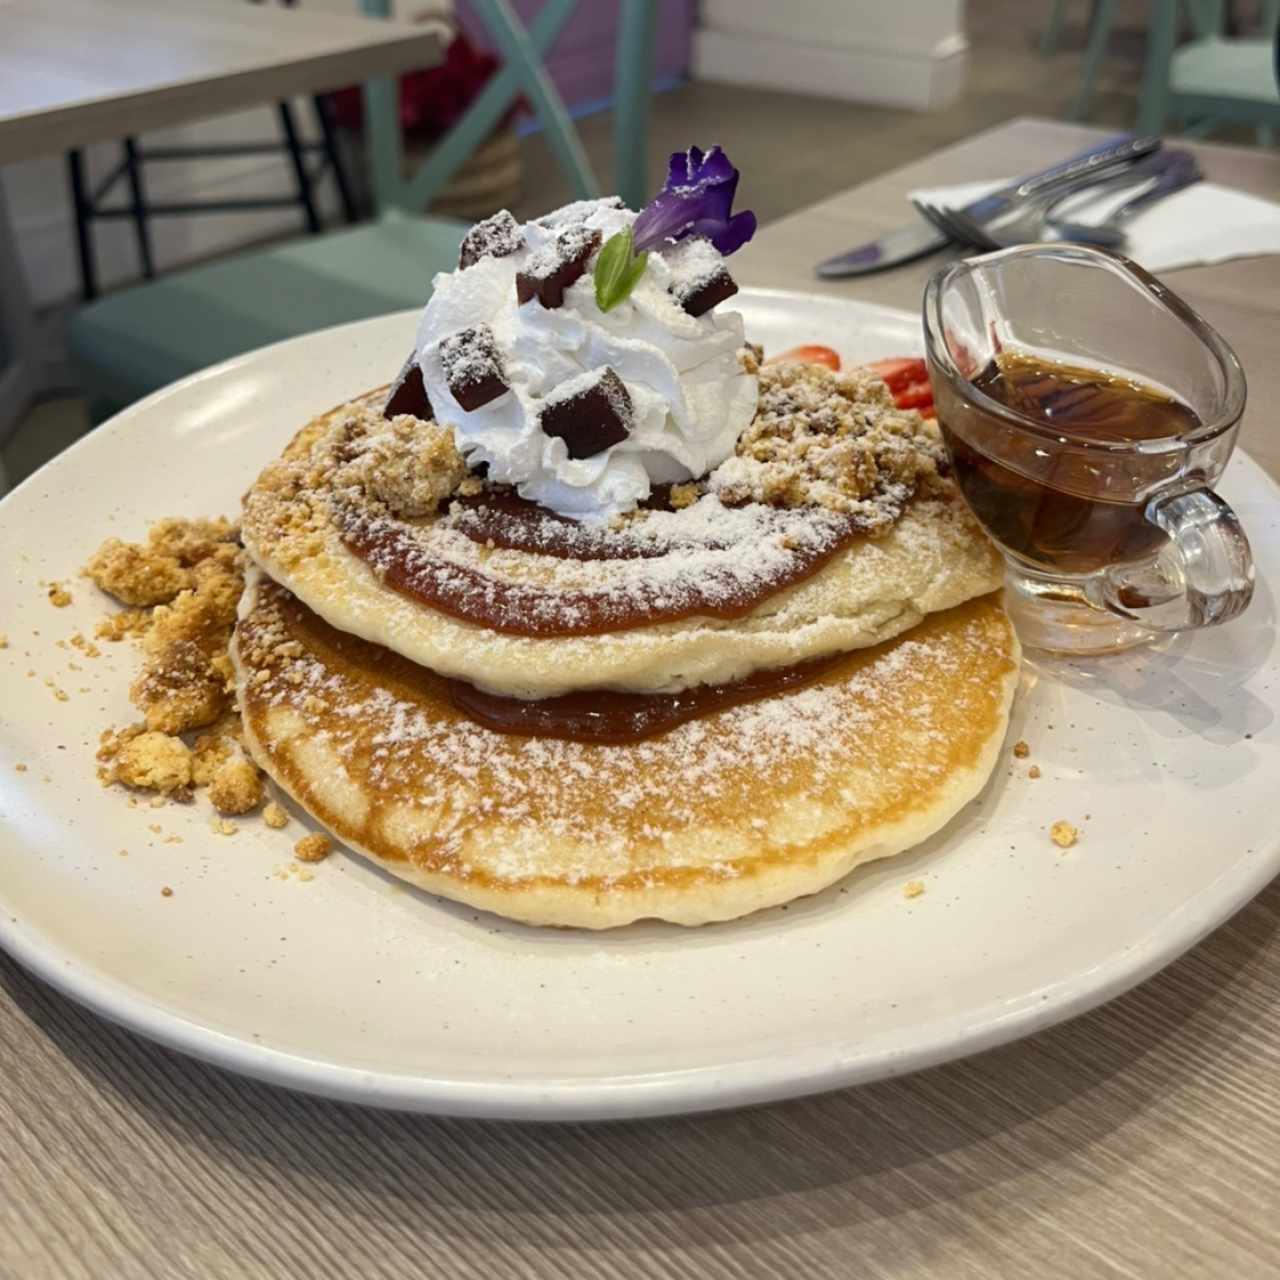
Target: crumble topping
x=1021, y=750
x=1063, y=834
x=313, y=848
x=236, y=786
x=154, y=761
x=275, y=815
x=410, y=465
x=154, y=572
x=192, y=572
x=831, y=440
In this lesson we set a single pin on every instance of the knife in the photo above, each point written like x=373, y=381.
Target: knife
x=915, y=241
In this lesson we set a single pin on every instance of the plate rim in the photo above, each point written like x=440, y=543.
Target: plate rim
x=839, y=1063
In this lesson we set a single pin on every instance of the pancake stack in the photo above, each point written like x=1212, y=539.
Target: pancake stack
x=720, y=697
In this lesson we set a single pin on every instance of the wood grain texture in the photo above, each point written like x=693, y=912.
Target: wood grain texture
x=74, y=72
x=1141, y=1140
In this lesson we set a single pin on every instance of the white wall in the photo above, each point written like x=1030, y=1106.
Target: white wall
x=41, y=211
x=908, y=53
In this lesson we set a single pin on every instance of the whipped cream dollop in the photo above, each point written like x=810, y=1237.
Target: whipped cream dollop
x=689, y=395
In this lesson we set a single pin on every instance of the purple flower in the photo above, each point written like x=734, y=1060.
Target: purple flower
x=697, y=200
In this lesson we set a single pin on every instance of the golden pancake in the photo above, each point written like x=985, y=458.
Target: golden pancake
x=741, y=809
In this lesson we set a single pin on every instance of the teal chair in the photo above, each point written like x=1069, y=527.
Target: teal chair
x=1206, y=18
x=1211, y=80
x=139, y=339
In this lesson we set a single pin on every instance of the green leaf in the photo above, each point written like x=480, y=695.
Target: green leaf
x=617, y=270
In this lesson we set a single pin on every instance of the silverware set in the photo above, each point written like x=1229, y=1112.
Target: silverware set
x=1043, y=207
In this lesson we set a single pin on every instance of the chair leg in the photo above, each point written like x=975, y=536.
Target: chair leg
x=1104, y=13
x=305, y=197
x=333, y=156
x=520, y=52
x=632, y=80
x=1153, y=107
x=84, y=233
x=1053, y=28
x=141, y=225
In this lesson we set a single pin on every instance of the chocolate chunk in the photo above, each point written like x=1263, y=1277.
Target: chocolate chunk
x=472, y=366
x=699, y=295
x=408, y=393
x=589, y=413
x=496, y=237
x=550, y=271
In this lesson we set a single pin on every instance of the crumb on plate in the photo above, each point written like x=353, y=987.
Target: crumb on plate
x=313, y=848
x=913, y=889
x=236, y=786
x=154, y=762
x=274, y=815
x=1021, y=749
x=1063, y=834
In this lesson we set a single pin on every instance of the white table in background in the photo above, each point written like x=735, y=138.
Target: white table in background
x=74, y=72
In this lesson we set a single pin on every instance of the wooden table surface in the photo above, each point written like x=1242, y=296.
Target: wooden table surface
x=79, y=71
x=1142, y=1140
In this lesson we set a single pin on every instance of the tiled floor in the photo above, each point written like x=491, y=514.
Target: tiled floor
x=794, y=150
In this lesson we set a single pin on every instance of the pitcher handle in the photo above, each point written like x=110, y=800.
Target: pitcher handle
x=1203, y=576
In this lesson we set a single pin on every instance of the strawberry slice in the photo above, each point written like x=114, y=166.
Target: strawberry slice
x=919, y=395
x=808, y=354
x=900, y=372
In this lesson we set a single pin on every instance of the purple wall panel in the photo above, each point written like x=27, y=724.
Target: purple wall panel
x=581, y=60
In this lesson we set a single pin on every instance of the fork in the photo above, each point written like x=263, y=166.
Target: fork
x=1029, y=223
x=1066, y=176
x=1182, y=171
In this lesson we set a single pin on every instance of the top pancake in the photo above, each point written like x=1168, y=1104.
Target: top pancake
x=708, y=567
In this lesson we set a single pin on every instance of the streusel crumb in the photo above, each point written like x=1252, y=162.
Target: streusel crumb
x=313, y=848
x=236, y=787
x=128, y=622
x=1021, y=750
x=275, y=815
x=684, y=495
x=1034, y=771
x=913, y=888
x=186, y=679
x=190, y=541
x=409, y=464
x=154, y=762
x=1063, y=834
x=59, y=596
x=833, y=440
x=136, y=575
x=211, y=751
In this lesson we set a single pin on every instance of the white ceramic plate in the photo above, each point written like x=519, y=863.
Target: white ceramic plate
x=355, y=986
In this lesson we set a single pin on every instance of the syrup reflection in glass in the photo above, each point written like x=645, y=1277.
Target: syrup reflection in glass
x=1087, y=411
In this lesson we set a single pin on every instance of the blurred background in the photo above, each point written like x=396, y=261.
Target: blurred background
x=809, y=97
